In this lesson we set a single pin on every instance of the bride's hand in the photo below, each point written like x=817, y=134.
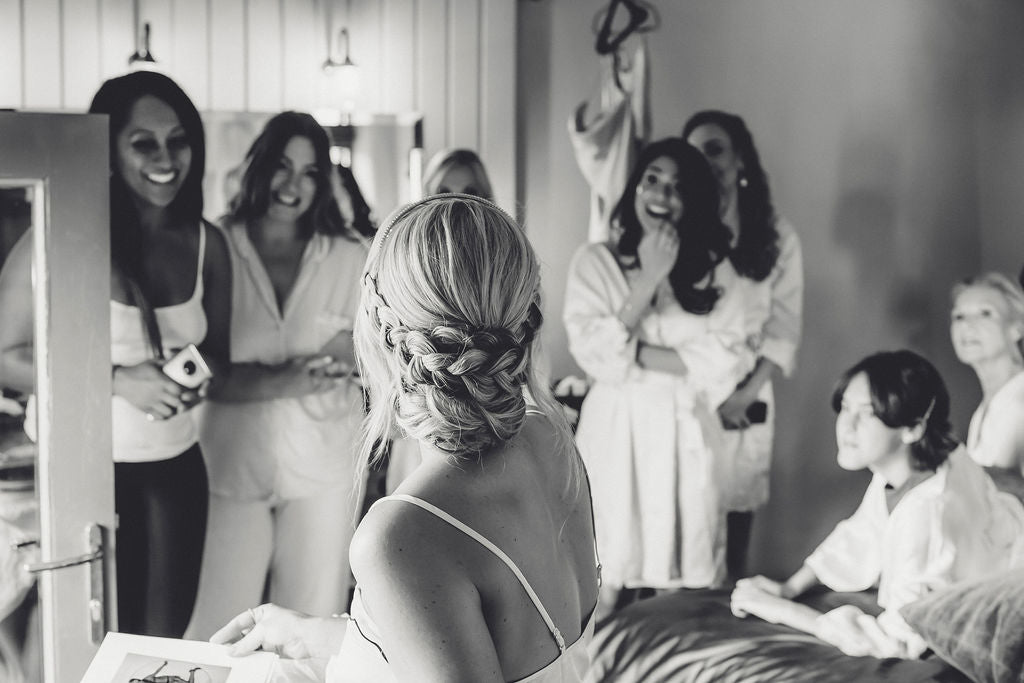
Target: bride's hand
x=291, y=634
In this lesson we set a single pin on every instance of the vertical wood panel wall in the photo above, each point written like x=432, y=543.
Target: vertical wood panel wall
x=451, y=60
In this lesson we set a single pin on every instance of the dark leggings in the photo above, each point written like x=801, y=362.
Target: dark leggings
x=161, y=511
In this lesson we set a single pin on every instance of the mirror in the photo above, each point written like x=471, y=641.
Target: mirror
x=20, y=653
x=384, y=152
x=56, y=490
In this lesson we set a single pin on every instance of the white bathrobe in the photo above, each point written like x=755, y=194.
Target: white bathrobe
x=951, y=527
x=648, y=437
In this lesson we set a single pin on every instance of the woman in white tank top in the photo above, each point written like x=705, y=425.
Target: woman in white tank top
x=483, y=564
x=165, y=258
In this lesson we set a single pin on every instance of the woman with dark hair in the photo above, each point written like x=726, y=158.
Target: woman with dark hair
x=354, y=209
x=170, y=287
x=930, y=516
x=765, y=251
x=655, y=319
x=279, y=432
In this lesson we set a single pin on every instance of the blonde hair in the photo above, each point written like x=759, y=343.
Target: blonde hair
x=1007, y=288
x=446, y=159
x=446, y=331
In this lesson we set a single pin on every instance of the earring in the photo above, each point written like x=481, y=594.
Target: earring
x=743, y=181
x=907, y=438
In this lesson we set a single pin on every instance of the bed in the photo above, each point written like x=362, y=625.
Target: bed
x=692, y=636
x=975, y=632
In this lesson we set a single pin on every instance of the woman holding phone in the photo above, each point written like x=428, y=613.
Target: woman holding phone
x=170, y=289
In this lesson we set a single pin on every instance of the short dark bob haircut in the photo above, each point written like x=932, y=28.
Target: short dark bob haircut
x=906, y=389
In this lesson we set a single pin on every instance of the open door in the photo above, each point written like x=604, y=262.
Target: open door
x=58, y=166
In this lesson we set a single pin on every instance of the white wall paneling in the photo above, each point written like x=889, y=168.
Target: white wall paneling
x=117, y=43
x=453, y=61
x=431, y=66
x=80, y=30
x=11, y=95
x=227, y=55
x=264, y=72
x=190, y=54
x=41, y=49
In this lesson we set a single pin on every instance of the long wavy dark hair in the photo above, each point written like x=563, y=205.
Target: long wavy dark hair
x=115, y=98
x=905, y=390
x=757, y=248
x=253, y=198
x=703, y=239
x=362, y=219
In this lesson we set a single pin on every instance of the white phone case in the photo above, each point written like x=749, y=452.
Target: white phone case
x=188, y=368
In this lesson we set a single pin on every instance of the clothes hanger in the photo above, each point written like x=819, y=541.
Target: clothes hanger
x=608, y=43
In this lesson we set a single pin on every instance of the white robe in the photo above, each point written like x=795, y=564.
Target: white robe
x=951, y=527
x=648, y=437
x=773, y=324
x=606, y=143
x=995, y=436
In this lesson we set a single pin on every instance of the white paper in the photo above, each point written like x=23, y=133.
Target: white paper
x=127, y=658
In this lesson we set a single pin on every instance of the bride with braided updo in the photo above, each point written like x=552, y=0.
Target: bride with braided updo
x=482, y=566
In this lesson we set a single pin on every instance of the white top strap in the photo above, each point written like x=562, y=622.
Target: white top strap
x=438, y=512
x=202, y=246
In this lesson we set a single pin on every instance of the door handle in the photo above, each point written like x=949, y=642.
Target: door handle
x=94, y=538
x=36, y=567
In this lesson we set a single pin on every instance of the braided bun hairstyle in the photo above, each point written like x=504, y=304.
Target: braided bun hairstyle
x=449, y=314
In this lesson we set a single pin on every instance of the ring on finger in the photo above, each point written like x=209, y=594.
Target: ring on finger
x=150, y=416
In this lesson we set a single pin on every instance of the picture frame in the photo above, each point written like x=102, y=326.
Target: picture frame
x=128, y=658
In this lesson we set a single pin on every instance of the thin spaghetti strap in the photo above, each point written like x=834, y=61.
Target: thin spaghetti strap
x=593, y=522
x=472, y=533
x=198, y=289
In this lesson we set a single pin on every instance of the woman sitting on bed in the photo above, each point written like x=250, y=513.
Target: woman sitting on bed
x=930, y=516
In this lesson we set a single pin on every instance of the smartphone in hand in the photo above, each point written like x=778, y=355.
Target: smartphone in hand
x=188, y=368
x=757, y=413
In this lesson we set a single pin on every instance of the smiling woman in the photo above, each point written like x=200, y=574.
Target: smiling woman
x=279, y=432
x=987, y=326
x=169, y=289
x=651, y=316
x=153, y=152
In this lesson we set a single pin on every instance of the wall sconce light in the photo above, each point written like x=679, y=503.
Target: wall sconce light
x=142, y=58
x=344, y=74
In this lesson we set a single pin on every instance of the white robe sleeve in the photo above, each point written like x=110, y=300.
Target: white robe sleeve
x=921, y=557
x=598, y=340
x=605, y=146
x=860, y=635
x=782, y=330
x=850, y=558
x=997, y=434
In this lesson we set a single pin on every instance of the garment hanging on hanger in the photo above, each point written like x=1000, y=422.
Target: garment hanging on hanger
x=607, y=42
x=606, y=143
